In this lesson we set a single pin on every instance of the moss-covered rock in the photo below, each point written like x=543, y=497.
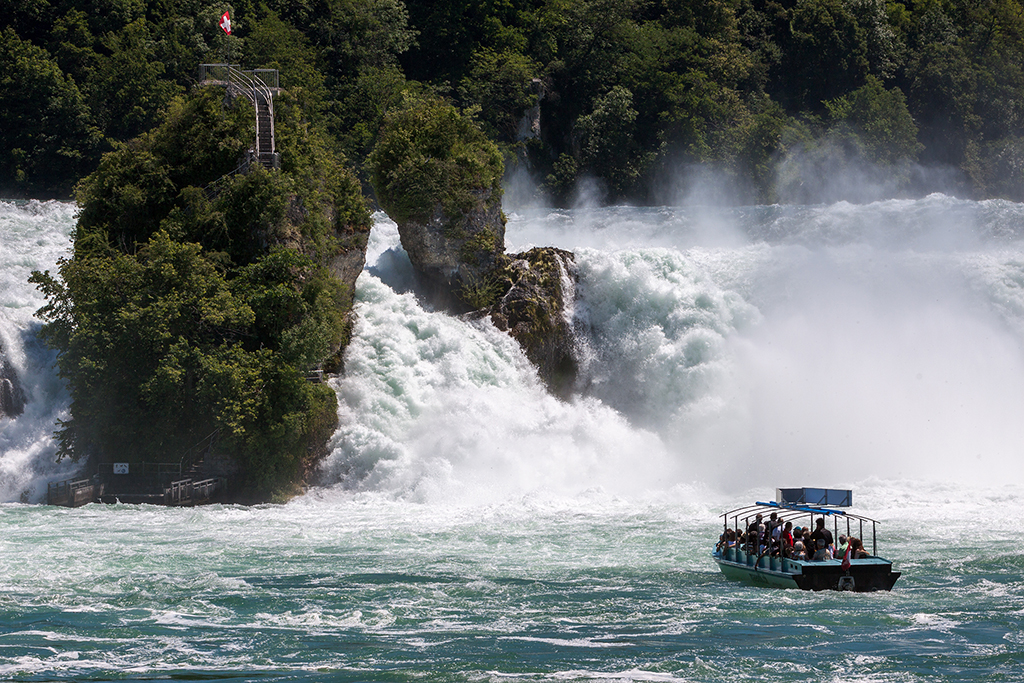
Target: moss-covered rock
x=536, y=309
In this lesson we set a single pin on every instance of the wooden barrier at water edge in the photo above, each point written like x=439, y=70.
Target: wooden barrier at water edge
x=73, y=493
x=188, y=492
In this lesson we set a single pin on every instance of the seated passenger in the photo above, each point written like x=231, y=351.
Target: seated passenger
x=798, y=551
x=857, y=551
x=786, y=540
x=823, y=552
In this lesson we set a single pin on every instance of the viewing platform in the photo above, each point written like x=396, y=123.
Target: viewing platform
x=193, y=480
x=259, y=86
x=165, y=486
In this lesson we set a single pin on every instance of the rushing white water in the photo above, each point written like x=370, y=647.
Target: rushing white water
x=473, y=528
x=33, y=235
x=725, y=347
x=722, y=348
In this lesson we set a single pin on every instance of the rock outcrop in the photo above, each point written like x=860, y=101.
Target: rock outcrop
x=537, y=310
x=455, y=256
x=12, y=397
x=439, y=178
x=530, y=295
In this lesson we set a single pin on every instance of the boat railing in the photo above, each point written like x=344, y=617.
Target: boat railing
x=787, y=513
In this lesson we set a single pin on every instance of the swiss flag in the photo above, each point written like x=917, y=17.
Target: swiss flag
x=225, y=23
x=846, y=560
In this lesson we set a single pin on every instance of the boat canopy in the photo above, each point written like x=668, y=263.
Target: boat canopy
x=792, y=512
x=808, y=496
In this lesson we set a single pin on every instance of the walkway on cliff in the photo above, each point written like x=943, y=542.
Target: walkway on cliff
x=258, y=86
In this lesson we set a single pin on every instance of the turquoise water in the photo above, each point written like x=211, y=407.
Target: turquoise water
x=342, y=587
x=469, y=527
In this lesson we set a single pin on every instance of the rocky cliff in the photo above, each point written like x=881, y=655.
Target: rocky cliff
x=12, y=397
x=439, y=178
x=536, y=309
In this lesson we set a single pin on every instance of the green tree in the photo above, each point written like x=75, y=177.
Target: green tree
x=503, y=86
x=430, y=155
x=881, y=120
x=605, y=140
x=47, y=124
x=198, y=298
x=825, y=54
x=130, y=88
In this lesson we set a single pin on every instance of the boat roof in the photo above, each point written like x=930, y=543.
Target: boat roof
x=791, y=511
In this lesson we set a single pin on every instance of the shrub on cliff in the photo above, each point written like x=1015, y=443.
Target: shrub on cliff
x=428, y=155
x=196, y=302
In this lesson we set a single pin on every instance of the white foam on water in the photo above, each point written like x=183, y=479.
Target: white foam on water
x=728, y=347
x=34, y=236
x=434, y=407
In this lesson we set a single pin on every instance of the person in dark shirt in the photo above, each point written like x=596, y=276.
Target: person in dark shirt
x=821, y=532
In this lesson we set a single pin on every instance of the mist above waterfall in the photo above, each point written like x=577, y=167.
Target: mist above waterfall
x=741, y=347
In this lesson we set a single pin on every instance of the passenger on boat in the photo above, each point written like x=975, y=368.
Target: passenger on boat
x=726, y=540
x=798, y=551
x=820, y=532
x=753, y=535
x=857, y=551
x=841, y=548
x=786, y=540
x=823, y=552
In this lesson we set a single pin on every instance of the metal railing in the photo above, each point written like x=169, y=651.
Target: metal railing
x=179, y=492
x=72, y=492
x=186, y=491
x=197, y=453
x=255, y=84
x=204, y=489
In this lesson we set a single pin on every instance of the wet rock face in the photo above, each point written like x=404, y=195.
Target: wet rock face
x=12, y=397
x=537, y=311
x=456, y=256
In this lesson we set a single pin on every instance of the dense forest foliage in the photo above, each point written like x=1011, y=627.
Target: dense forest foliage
x=200, y=295
x=773, y=97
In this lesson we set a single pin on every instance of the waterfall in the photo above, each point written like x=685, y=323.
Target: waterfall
x=724, y=347
x=34, y=235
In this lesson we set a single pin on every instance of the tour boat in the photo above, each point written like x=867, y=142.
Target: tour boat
x=768, y=567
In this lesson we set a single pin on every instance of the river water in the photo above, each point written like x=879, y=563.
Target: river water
x=472, y=528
